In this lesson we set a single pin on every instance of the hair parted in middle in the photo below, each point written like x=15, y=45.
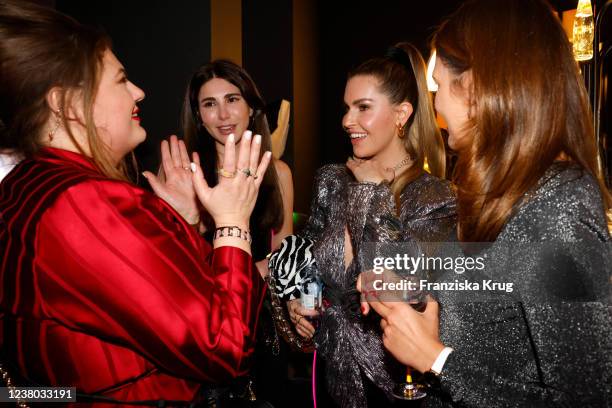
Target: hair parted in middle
x=402, y=78
x=268, y=212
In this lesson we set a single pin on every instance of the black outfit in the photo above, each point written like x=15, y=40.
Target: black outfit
x=549, y=342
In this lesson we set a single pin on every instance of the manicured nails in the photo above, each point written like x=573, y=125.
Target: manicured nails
x=258, y=139
x=268, y=153
x=193, y=167
x=247, y=135
x=231, y=138
x=363, y=309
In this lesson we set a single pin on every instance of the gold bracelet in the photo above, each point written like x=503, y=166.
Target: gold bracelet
x=232, y=231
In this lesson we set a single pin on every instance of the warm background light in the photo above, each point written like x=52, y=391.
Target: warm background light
x=431, y=84
x=583, y=31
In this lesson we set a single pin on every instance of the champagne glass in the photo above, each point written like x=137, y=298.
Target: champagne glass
x=409, y=390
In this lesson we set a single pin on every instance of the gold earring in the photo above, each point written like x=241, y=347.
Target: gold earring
x=58, y=123
x=400, y=131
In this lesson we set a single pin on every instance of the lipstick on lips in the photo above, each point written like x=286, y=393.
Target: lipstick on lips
x=135, y=114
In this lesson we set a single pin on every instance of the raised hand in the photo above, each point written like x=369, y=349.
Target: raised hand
x=231, y=201
x=175, y=186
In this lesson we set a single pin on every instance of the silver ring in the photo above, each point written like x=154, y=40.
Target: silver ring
x=248, y=172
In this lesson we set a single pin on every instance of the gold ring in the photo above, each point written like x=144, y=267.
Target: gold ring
x=224, y=173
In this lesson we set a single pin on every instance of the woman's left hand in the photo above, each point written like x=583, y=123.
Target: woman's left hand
x=411, y=337
x=176, y=188
x=369, y=170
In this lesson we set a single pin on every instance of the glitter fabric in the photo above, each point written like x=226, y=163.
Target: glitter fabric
x=351, y=344
x=549, y=343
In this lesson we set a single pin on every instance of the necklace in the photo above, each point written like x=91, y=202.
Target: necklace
x=399, y=165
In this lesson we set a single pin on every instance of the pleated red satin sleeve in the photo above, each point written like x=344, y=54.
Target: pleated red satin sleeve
x=115, y=262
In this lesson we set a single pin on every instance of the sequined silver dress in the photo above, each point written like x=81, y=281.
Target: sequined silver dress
x=351, y=345
x=549, y=342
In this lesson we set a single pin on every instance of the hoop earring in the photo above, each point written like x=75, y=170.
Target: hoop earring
x=401, y=132
x=58, y=123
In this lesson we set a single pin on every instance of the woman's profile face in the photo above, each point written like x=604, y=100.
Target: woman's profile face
x=452, y=104
x=223, y=109
x=370, y=119
x=115, y=113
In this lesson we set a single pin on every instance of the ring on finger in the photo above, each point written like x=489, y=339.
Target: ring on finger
x=248, y=172
x=224, y=173
x=298, y=320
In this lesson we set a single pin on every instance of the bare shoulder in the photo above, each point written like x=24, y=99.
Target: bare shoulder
x=283, y=171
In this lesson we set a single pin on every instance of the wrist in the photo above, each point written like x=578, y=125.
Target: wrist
x=440, y=360
x=229, y=222
x=434, y=352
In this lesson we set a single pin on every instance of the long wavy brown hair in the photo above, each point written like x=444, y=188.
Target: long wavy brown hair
x=402, y=77
x=528, y=107
x=268, y=212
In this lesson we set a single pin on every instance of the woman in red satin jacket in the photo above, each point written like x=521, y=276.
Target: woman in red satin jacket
x=103, y=286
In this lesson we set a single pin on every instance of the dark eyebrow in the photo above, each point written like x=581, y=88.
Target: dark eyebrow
x=210, y=98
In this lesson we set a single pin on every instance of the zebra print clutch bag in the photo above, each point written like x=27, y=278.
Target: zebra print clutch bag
x=291, y=266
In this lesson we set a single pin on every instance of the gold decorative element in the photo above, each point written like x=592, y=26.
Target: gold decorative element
x=279, y=136
x=227, y=174
x=583, y=32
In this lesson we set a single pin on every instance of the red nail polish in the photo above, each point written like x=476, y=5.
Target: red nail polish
x=362, y=309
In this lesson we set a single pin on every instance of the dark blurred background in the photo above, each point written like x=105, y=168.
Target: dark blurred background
x=299, y=50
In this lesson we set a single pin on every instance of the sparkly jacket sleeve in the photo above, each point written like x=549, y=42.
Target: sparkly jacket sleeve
x=133, y=273
x=553, y=346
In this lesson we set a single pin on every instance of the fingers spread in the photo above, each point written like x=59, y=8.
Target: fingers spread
x=166, y=157
x=254, y=158
x=174, y=151
x=244, y=153
x=184, y=154
x=199, y=183
x=263, y=165
x=229, y=155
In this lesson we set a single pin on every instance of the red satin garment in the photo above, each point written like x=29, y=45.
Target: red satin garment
x=105, y=287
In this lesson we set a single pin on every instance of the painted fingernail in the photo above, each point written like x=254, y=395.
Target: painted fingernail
x=248, y=134
x=268, y=153
x=362, y=309
x=231, y=137
x=258, y=139
x=193, y=167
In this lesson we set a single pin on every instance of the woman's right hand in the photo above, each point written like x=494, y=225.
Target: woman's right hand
x=175, y=186
x=297, y=314
x=232, y=200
